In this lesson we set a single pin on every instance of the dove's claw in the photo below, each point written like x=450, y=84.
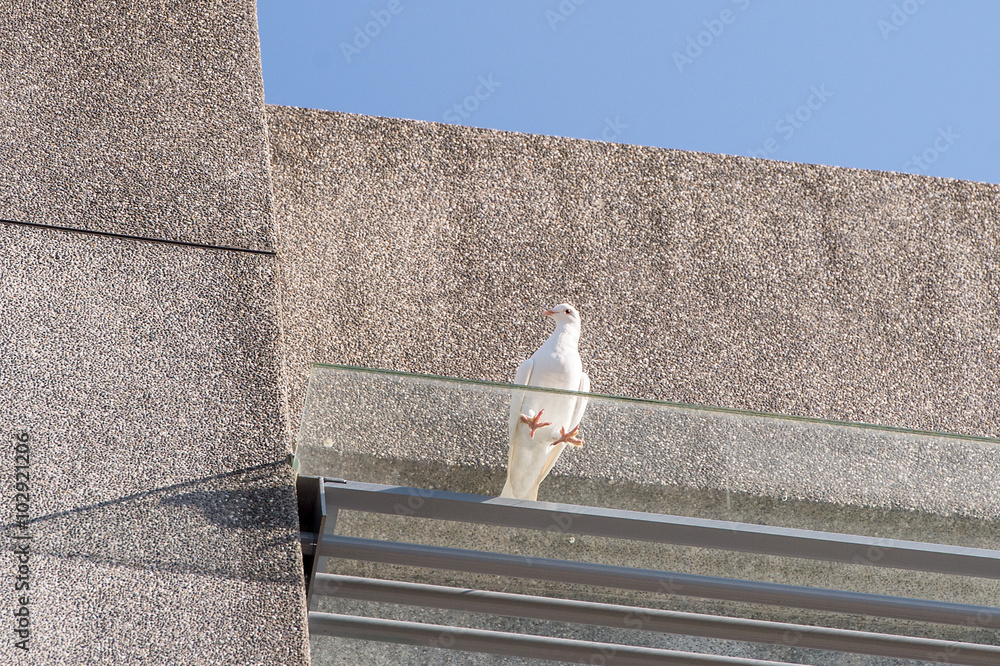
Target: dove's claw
x=569, y=437
x=534, y=423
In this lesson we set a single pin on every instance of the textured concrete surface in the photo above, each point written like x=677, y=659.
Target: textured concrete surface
x=144, y=375
x=729, y=281
x=147, y=379
x=140, y=118
x=741, y=283
x=163, y=526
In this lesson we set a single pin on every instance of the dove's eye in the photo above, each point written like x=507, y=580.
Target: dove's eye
x=568, y=311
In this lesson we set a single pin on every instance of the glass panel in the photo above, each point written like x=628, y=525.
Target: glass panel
x=449, y=434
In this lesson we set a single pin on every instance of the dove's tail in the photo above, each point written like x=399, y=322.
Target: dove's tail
x=508, y=491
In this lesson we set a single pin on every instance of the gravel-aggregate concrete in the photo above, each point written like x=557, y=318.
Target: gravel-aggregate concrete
x=161, y=510
x=707, y=279
x=802, y=290
x=139, y=118
x=155, y=384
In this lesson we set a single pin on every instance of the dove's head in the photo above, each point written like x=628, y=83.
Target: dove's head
x=564, y=313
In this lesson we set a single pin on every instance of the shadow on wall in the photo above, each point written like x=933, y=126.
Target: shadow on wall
x=231, y=525
x=240, y=508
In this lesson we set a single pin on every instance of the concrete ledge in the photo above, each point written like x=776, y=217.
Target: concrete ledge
x=706, y=279
x=163, y=521
x=136, y=118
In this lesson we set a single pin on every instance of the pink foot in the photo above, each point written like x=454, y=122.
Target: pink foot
x=570, y=437
x=534, y=424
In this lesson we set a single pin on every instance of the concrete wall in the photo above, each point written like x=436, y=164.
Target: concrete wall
x=728, y=281
x=736, y=282
x=141, y=118
x=149, y=262
x=144, y=375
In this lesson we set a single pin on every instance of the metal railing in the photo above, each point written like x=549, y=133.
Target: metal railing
x=320, y=499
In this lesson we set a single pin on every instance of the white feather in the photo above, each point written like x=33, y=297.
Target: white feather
x=556, y=365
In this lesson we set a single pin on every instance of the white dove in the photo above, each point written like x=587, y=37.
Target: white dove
x=536, y=444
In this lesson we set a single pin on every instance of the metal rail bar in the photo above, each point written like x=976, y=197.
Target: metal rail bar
x=649, y=619
x=512, y=644
x=677, y=530
x=649, y=580
x=312, y=518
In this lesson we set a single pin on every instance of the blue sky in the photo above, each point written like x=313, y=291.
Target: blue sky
x=896, y=85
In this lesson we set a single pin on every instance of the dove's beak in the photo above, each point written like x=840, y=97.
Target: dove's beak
x=549, y=313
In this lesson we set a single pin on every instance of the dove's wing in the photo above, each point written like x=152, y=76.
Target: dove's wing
x=581, y=403
x=523, y=377
x=549, y=464
x=579, y=407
